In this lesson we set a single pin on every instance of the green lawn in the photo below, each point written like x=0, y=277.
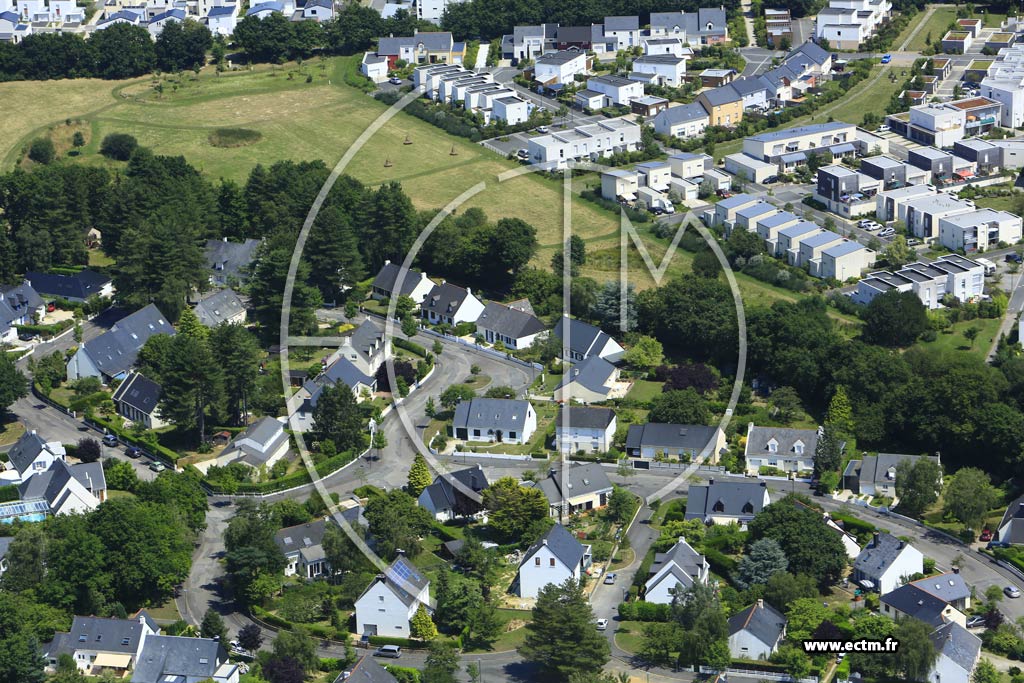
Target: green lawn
x=954, y=339
x=935, y=27
x=12, y=431
x=644, y=390
x=509, y=639
x=629, y=636
x=998, y=203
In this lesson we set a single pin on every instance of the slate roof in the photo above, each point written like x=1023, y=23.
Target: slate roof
x=748, y=86
x=592, y=374
x=949, y=586
x=168, y=659
x=342, y=370
x=560, y=57
x=1014, y=516
x=738, y=498
x=446, y=298
x=400, y=576
x=958, y=644
x=304, y=539
x=264, y=7
x=26, y=449
x=580, y=480
x=140, y=393
x=668, y=20
x=878, y=555
x=881, y=468
x=683, y=113
x=574, y=34
x=388, y=275
x=810, y=51
x=219, y=307
x=562, y=545
x=81, y=285
x=442, y=493
x=366, y=670
x=119, y=636
x=584, y=338
x=329, y=4
x=696, y=22
x=267, y=432
x=115, y=350
x=669, y=435
x=585, y=417
x=230, y=258
x=680, y=555
x=810, y=129
x=509, y=321
x=367, y=339
x=224, y=11
x=917, y=603
x=722, y=95
x=22, y=299
x=51, y=485
x=177, y=14
x=631, y=23
x=433, y=41
x=505, y=414
x=761, y=620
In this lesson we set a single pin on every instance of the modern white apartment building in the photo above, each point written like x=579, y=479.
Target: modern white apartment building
x=950, y=274
x=845, y=24
x=1005, y=84
x=937, y=125
x=585, y=143
x=923, y=214
x=836, y=137
x=560, y=67
x=842, y=261
x=891, y=205
x=979, y=230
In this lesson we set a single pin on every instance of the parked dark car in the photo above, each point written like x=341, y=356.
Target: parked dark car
x=771, y=179
x=1014, y=258
x=133, y=452
x=109, y=440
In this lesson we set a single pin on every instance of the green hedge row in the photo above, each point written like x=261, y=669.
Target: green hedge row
x=9, y=493
x=403, y=674
x=411, y=347
x=720, y=563
x=853, y=525
x=46, y=330
x=644, y=611
x=292, y=480
x=154, y=448
x=401, y=642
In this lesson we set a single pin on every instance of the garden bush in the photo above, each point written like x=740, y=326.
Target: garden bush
x=119, y=146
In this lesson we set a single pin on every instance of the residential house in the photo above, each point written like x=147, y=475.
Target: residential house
x=979, y=231
x=579, y=428
x=674, y=572
x=716, y=78
x=450, y=305
x=498, y=420
x=669, y=69
x=21, y=305
x=756, y=632
x=101, y=645
x=423, y=47
x=648, y=106
x=1011, y=527
x=624, y=31
x=950, y=587
x=374, y=67
x=875, y=475
x=222, y=306
x=674, y=46
x=589, y=381
x=845, y=24
x=265, y=9
x=391, y=600
x=784, y=449
x=843, y=261
x=778, y=27
x=155, y=26
x=958, y=653
x=656, y=175
x=30, y=454
x=584, y=340
x=749, y=168
x=1004, y=83
x=448, y=498
x=682, y=121
x=686, y=443
x=909, y=601
x=77, y=288
x=788, y=245
x=837, y=137
x=749, y=217
x=769, y=228
x=222, y=21
x=724, y=105
x=511, y=109
x=366, y=348
x=366, y=670
x=620, y=185
x=137, y=399
x=706, y=26
x=689, y=165
x=724, y=213
x=576, y=488
x=555, y=558
x=341, y=371
x=527, y=42
x=302, y=547
x=113, y=353
x=560, y=67
x=512, y=327
x=754, y=92
x=230, y=261
x=849, y=541
x=66, y=489
x=262, y=444
x=415, y=285
x=885, y=563
x=578, y=37
x=725, y=502
x=950, y=274
x=617, y=91
x=812, y=246
x=892, y=172
x=986, y=156
x=891, y=205
x=845, y=191
x=185, y=660
x=589, y=142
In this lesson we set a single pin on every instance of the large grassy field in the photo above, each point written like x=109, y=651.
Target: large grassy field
x=935, y=26
x=954, y=339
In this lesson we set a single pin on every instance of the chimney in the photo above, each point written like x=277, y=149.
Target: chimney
x=544, y=541
x=225, y=238
x=874, y=539
x=387, y=262
x=760, y=603
x=956, y=569
x=711, y=481
x=34, y=431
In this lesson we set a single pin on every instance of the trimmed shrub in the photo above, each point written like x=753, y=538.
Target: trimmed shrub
x=118, y=146
x=411, y=347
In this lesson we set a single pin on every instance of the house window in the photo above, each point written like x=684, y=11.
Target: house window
x=773, y=446
x=748, y=508
x=536, y=561
x=381, y=598
x=718, y=507
x=476, y=432
x=551, y=562
x=511, y=435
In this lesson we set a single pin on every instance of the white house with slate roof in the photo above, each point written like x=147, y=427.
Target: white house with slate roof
x=183, y=660
x=589, y=381
x=262, y=444
x=222, y=20
x=450, y=304
x=387, y=604
x=725, y=502
x=366, y=348
x=585, y=340
x=911, y=601
x=99, y=644
x=875, y=475
x=509, y=325
x=366, y=670
x=112, y=354
x=583, y=487
x=755, y=633
x=445, y=501
x=885, y=562
x=959, y=651
x=1011, y=527
x=66, y=489
x=579, y=428
x=222, y=306
x=675, y=571
x=501, y=420
x=303, y=550
x=788, y=450
x=76, y=288
x=682, y=121
x=560, y=67
x=32, y=455
x=228, y=261
x=415, y=285
x=557, y=556
x=684, y=442
x=137, y=399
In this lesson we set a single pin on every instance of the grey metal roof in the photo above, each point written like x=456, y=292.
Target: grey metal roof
x=139, y=392
x=81, y=285
x=230, y=258
x=721, y=95
x=958, y=644
x=509, y=321
x=367, y=338
x=613, y=81
x=388, y=275
x=219, y=307
x=878, y=555
x=811, y=129
x=741, y=499
x=761, y=620
x=165, y=658
x=655, y=434
x=916, y=603
x=682, y=114
x=585, y=417
x=115, y=351
x=562, y=545
x=811, y=52
x=591, y=373
x=779, y=219
x=580, y=480
x=503, y=414
x=443, y=494
x=25, y=450
x=292, y=539
x=949, y=586
x=445, y=298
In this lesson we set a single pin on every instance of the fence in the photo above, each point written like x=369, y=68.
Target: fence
x=500, y=355
x=53, y=404
x=489, y=456
x=758, y=673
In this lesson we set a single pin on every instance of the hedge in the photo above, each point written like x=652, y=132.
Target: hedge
x=721, y=564
x=46, y=330
x=328, y=466
x=853, y=525
x=150, y=448
x=644, y=611
x=270, y=618
x=411, y=347
x=443, y=532
x=9, y=493
x=318, y=630
x=403, y=674
x=401, y=642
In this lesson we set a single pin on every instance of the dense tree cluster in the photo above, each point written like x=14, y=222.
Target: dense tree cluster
x=802, y=535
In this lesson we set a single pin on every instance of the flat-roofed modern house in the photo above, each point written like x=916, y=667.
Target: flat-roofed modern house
x=979, y=231
x=769, y=228
x=923, y=214
x=589, y=142
x=654, y=440
x=843, y=261
x=836, y=137
x=949, y=274
x=986, y=156
x=790, y=238
x=727, y=501
x=892, y=172
x=690, y=165
x=891, y=205
x=620, y=184
x=725, y=210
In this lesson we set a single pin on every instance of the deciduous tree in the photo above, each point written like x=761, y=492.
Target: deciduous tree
x=917, y=485
x=969, y=496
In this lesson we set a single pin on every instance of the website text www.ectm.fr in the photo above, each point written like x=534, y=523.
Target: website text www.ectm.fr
x=850, y=646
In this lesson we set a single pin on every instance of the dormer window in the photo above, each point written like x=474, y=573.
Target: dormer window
x=798, y=448
x=773, y=446
x=748, y=508
x=719, y=506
